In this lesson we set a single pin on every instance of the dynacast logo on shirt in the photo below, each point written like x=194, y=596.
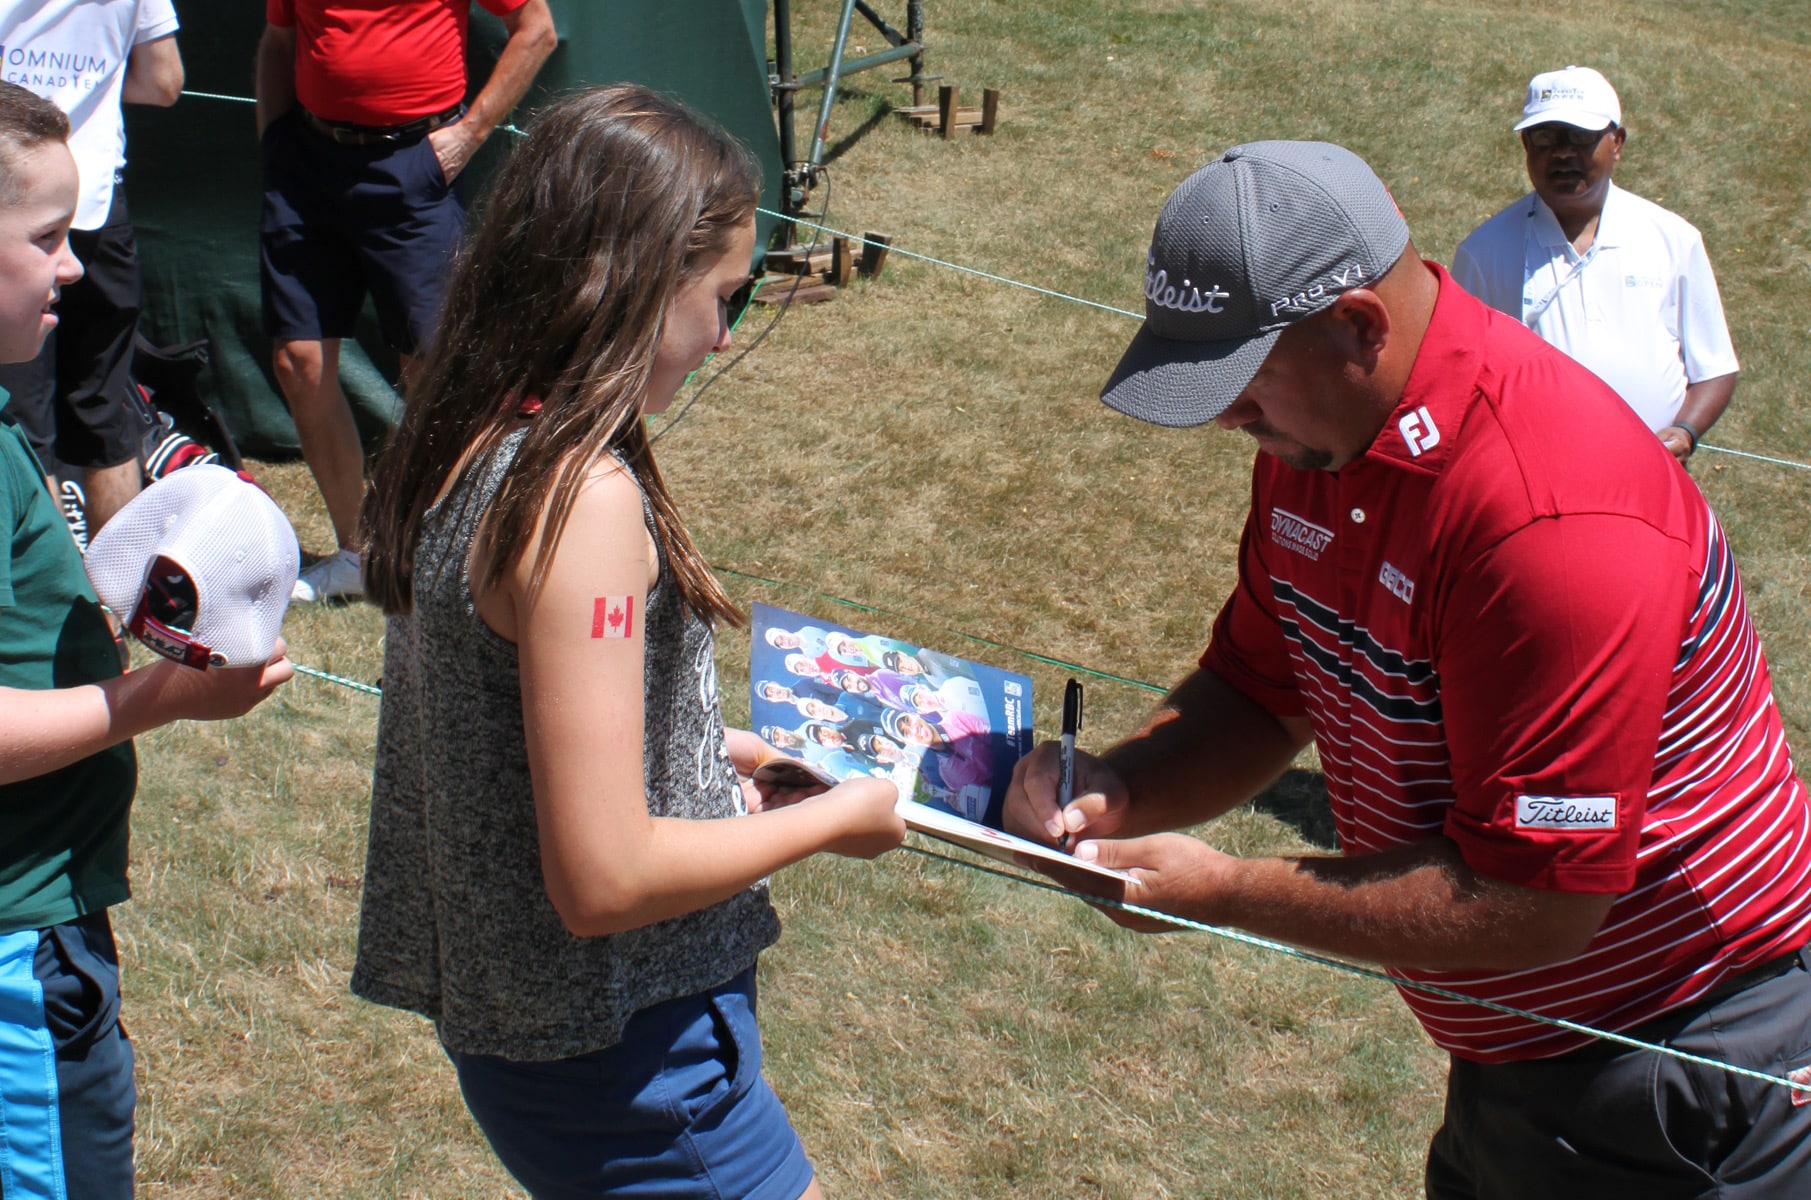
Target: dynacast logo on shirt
x=1590, y=813
x=1293, y=533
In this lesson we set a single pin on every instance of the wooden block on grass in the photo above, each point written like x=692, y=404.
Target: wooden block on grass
x=782, y=292
x=873, y=253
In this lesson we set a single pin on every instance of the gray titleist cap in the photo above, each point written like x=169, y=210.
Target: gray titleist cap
x=1265, y=235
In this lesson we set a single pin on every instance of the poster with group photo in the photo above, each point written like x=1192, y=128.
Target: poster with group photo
x=946, y=730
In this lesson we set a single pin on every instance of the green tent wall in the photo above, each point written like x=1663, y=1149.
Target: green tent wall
x=193, y=186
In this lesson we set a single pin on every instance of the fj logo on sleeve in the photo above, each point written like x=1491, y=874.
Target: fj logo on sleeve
x=1589, y=813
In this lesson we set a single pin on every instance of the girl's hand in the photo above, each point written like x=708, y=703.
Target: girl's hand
x=748, y=752
x=870, y=825
x=760, y=795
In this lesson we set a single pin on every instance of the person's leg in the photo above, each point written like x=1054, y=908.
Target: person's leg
x=308, y=373
x=110, y=489
x=312, y=292
x=98, y=425
x=31, y=401
x=1610, y=1122
x=1449, y=1169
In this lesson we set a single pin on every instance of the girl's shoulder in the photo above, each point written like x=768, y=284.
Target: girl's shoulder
x=610, y=500
x=607, y=523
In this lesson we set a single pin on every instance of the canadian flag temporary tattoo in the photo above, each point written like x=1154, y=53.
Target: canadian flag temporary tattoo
x=613, y=617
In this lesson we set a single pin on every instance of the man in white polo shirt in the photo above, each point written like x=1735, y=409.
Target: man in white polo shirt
x=87, y=57
x=1617, y=282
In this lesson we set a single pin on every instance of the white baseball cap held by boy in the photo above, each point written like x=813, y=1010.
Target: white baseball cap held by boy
x=199, y=567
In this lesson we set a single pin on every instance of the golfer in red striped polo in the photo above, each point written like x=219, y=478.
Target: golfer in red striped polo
x=1513, y=629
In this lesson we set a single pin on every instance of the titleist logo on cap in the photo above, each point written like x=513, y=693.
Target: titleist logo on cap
x=1188, y=298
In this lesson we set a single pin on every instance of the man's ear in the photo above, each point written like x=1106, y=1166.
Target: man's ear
x=1359, y=325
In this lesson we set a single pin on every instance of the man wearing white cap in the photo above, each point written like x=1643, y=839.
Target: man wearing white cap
x=1550, y=744
x=1617, y=282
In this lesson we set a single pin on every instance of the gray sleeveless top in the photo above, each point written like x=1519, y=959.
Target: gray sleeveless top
x=455, y=922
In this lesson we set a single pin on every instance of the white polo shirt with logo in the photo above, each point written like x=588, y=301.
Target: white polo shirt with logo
x=1640, y=308
x=73, y=53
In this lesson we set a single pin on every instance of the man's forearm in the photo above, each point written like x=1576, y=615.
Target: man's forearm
x=1206, y=750
x=274, y=82
x=531, y=39
x=154, y=73
x=1415, y=906
x=1412, y=906
x=1705, y=401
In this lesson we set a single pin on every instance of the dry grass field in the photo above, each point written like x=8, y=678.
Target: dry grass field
x=930, y=444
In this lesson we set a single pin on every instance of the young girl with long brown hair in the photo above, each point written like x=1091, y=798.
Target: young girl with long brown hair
x=562, y=874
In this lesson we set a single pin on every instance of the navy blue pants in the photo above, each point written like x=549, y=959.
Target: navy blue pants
x=341, y=222
x=66, y=1091
x=1604, y=1123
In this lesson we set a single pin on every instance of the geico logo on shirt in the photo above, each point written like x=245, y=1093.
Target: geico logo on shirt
x=1400, y=585
x=1294, y=533
x=1419, y=433
x=1644, y=281
x=1565, y=812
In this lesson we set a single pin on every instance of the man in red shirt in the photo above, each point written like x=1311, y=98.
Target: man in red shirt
x=1512, y=628
x=363, y=132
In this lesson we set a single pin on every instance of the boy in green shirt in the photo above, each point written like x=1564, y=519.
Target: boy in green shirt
x=67, y=716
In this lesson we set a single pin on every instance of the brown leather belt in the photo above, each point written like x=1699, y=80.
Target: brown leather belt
x=381, y=135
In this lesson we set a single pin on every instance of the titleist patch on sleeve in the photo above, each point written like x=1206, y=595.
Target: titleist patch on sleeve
x=1565, y=812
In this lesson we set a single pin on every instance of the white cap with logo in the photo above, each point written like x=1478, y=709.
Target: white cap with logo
x=1576, y=96
x=199, y=566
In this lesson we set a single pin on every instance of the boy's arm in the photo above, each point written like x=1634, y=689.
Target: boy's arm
x=41, y=731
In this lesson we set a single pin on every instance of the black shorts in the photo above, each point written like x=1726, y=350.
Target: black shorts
x=1607, y=1122
x=71, y=400
x=343, y=221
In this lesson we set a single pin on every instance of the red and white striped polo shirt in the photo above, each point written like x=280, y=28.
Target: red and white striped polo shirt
x=1515, y=622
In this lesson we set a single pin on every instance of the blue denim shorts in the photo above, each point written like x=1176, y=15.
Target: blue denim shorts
x=676, y=1109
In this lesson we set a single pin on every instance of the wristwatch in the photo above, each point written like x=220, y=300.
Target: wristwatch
x=1690, y=432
